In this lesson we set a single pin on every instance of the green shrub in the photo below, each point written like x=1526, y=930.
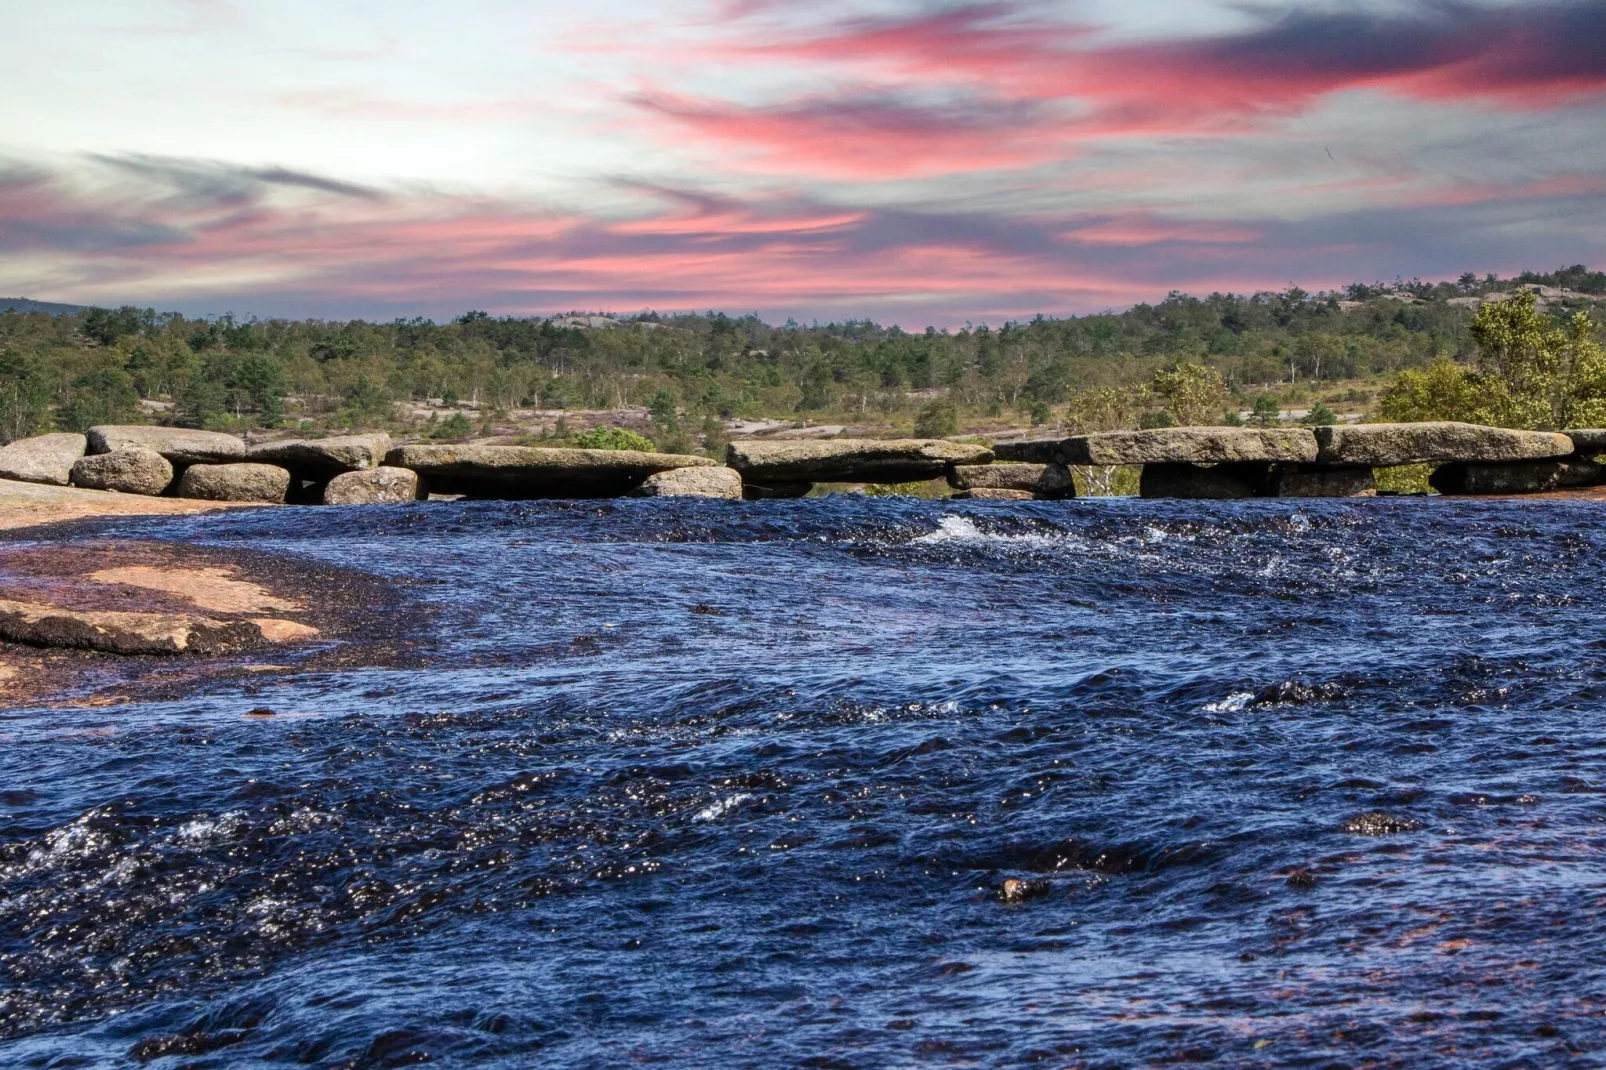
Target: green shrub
x=938, y=419
x=614, y=438
x=454, y=426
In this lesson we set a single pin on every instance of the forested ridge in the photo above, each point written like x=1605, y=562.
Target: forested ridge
x=1179, y=360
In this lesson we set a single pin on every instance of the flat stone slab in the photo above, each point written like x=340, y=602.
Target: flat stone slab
x=1391, y=445
x=180, y=445
x=375, y=486
x=323, y=458
x=516, y=472
x=124, y=633
x=243, y=482
x=42, y=459
x=1531, y=477
x=850, y=460
x=1170, y=445
x=1039, y=480
x=723, y=483
x=1588, y=441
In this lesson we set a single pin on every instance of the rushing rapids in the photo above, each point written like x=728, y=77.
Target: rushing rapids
x=843, y=782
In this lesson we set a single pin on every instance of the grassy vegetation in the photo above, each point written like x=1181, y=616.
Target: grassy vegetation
x=684, y=382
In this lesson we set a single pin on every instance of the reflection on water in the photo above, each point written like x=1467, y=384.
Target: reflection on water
x=689, y=782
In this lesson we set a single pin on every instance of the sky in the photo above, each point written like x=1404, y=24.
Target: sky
x=906, y=161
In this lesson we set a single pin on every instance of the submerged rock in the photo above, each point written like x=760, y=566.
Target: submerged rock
x=516, y=472
x=324, y=458
x=1313, y=482
x=848, y=460
x=1533, y=477
x=242, y=482
x=1225, y=481
x=123, y=633
x=180, y=445
x=1391, y=445
x=692, y=483
x=1170, y=445
x=1039, y=480
x=128, y=471
x=376, y=486
x=42, y=459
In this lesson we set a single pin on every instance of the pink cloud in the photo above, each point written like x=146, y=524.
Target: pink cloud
x=857, y=138
x=1023, y=90
x=214, y=238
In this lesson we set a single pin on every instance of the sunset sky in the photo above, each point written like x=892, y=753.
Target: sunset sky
x=911, y=162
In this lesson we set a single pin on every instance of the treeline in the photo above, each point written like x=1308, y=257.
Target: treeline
x=100, y=365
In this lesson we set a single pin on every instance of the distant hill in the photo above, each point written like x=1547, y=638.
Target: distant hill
x=22, y=304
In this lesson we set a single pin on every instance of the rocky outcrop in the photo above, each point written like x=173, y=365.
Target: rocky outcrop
x=516, y=472
x=994, y=494
x=243, y=482
x=1047, y=481
x=128, y=471
x=42, y=459
x=846, y=460
x=1533, y=477
x=1170, y=445
x=1390, y=445
x=320, y=459
x=124, y=633
x=1309, y=481
x=1226, y=481
x=692, y=483
x=375, y=486
x=1589, y=442
x=179, y=445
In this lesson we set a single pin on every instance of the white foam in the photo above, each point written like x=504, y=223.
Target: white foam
x=716, y=810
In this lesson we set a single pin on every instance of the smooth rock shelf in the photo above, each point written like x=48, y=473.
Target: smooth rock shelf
x=1177, y=462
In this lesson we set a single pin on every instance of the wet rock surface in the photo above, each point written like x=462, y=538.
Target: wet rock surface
x=127, y=471
x=123, y=633
x=267, y=607
x=42, y=459
x=243, y=482
x=772, y=463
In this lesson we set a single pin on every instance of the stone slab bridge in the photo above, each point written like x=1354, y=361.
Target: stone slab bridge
x=1177, y=462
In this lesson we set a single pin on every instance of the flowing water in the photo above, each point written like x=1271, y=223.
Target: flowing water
x=695, y=783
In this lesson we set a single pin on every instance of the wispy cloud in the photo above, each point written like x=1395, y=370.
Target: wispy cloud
x=212, y=239
x=1042, y=87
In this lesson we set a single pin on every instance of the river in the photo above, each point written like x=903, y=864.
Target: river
x=702, y=783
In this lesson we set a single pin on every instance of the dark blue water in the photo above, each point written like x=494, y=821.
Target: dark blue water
x=738, y=784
